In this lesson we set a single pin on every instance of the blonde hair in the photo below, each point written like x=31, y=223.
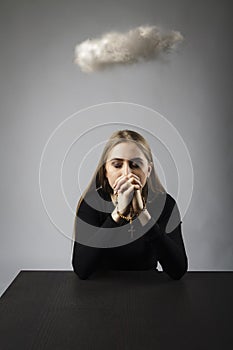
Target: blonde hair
x=100, y=182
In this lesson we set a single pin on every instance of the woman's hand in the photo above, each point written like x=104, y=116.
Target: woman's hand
x=125, y=186
x=139, y=208
x=137, y=202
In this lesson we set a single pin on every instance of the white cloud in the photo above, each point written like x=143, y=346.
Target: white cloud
x=141, y=43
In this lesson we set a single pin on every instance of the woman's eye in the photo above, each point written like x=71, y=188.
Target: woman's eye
x=134, y=165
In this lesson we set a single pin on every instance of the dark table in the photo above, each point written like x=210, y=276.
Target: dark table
x=117, y=310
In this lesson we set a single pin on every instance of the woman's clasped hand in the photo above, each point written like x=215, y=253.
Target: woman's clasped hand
x=127, y=189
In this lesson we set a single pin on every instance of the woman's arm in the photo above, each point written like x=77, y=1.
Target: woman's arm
x=168, y=248
x=85, y=260
x=90, y=235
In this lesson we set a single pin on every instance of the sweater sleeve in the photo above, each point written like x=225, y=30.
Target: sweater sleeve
x=90, y=234
x=168, y=248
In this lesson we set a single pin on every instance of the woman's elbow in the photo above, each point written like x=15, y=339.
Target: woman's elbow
x=178, y=275
x=81, y=274
x=180, y=271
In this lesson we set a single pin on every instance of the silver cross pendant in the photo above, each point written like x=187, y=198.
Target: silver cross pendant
x=131, y=230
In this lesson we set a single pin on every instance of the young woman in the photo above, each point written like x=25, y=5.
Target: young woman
x=125, y=220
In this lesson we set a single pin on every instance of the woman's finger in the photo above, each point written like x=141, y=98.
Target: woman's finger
x=125, y=187
x=125, y=197
x=137, y=201
x=125, y=181
x=123, y=178
x=121, y=187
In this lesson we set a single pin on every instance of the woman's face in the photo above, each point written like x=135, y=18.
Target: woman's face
x=126, y=158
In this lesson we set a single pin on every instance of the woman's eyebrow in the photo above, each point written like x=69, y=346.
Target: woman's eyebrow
x=132, y=160
x=137, y=159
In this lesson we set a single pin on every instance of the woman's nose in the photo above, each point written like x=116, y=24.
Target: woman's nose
x=126, y=168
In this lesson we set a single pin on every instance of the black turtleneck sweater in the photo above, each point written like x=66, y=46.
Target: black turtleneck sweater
x=101, y=243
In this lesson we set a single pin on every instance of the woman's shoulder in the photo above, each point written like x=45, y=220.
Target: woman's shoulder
x=164, y=197
x=170, y=201
x=166, y=210
x=92, y=200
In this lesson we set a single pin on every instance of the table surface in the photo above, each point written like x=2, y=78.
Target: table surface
x=120, y=310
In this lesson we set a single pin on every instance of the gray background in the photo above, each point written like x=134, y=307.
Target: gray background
x=40, y=87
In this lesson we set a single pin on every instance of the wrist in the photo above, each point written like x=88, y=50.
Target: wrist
x=116, y=217
x=142, y=208
x=144, y=217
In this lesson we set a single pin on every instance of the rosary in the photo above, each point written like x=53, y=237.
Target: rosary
x=131, y=216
